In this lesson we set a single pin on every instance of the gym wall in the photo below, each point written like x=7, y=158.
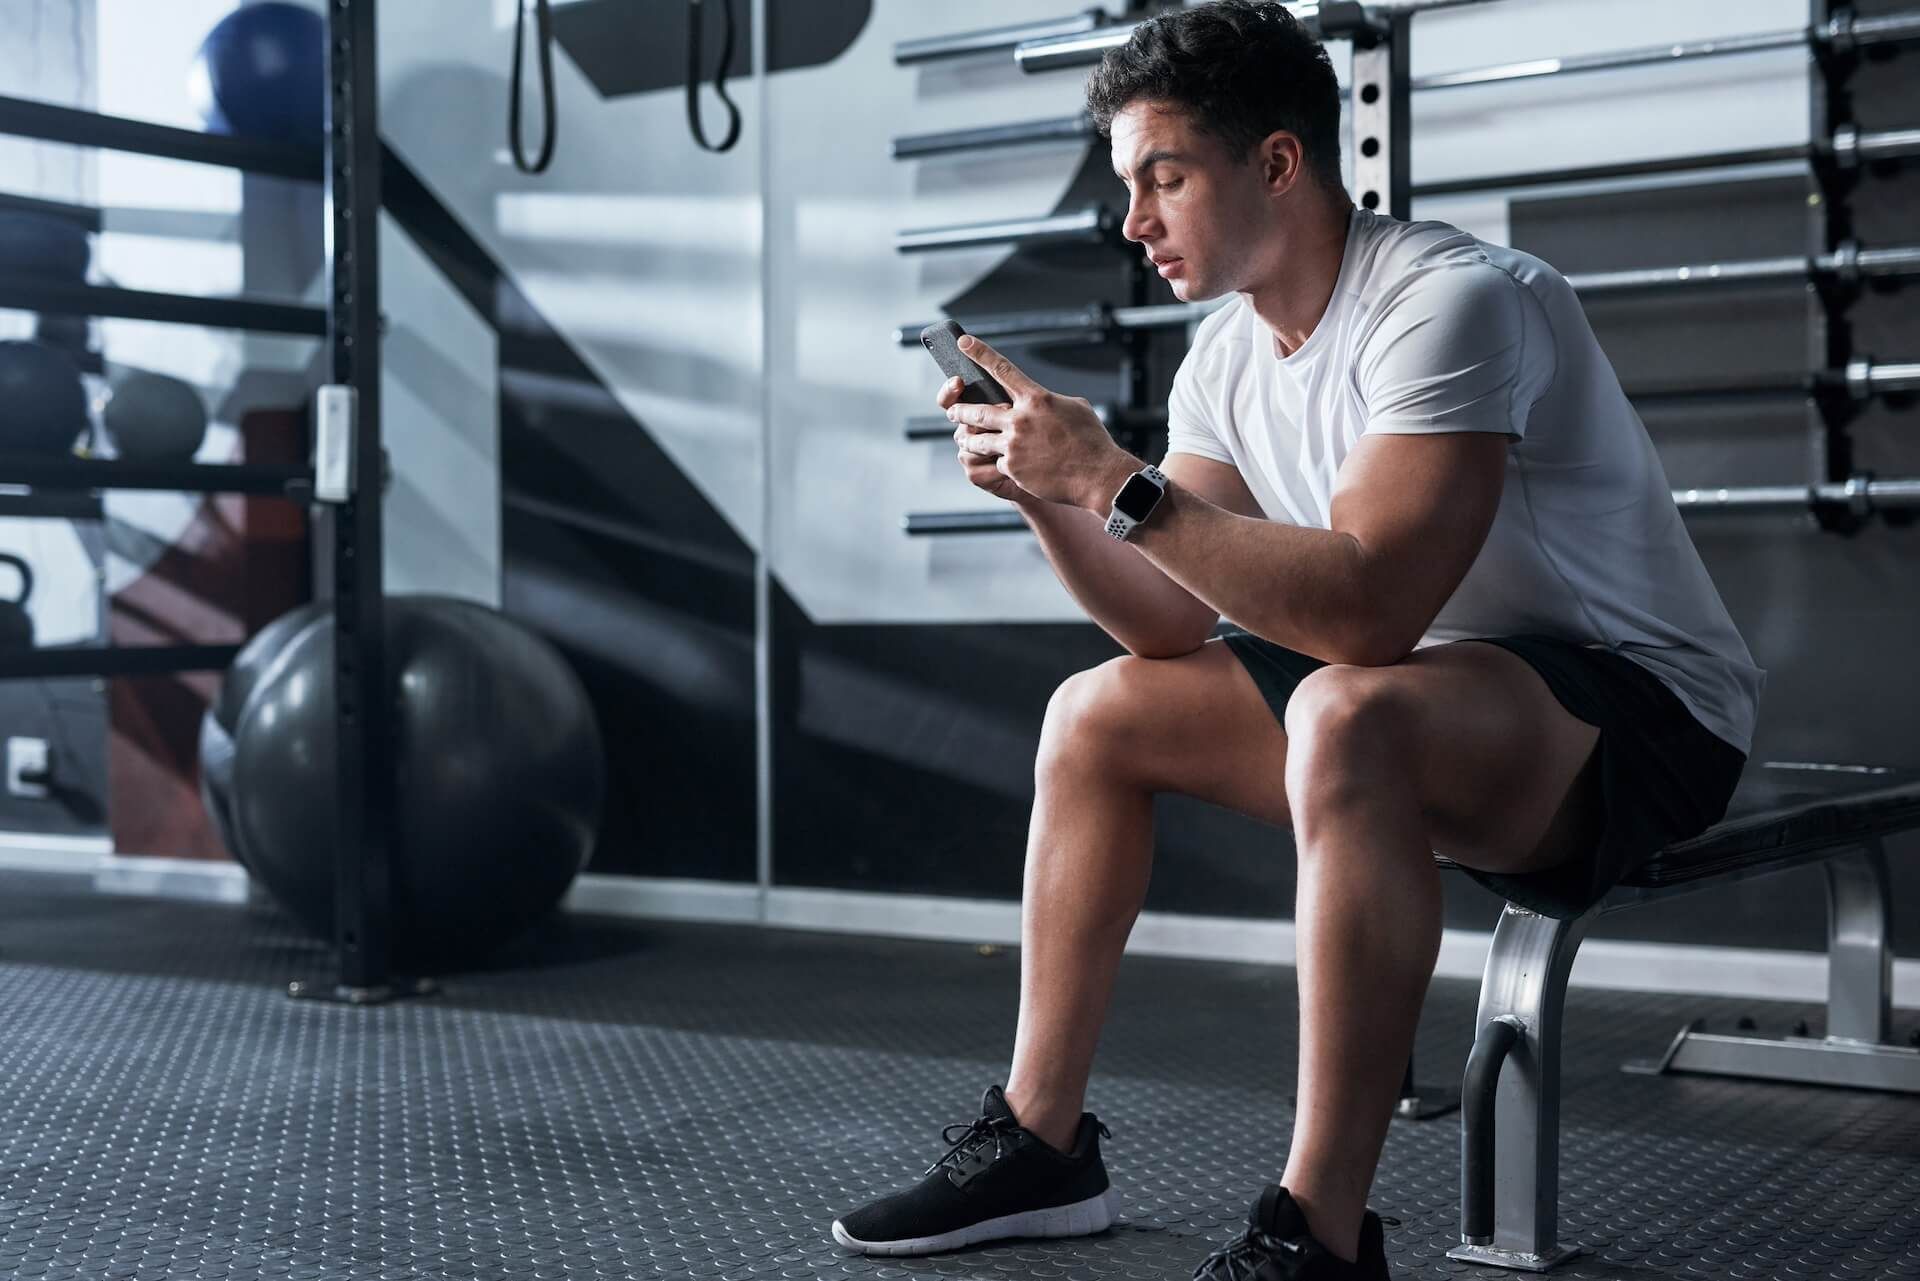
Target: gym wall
x=690, y=361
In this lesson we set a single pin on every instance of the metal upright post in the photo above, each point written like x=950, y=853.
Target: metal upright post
x=363, y=870
x=1832, y=176
x=1381, y=103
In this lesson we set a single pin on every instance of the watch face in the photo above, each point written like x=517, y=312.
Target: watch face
x=1137, y=497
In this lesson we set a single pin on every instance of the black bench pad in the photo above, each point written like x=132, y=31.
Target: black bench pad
x=1783, y=814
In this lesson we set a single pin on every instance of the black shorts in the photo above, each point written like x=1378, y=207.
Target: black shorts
x=1665, y=777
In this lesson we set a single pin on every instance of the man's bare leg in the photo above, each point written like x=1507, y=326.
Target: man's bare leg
x=1367, y=934
x=1114, y=737
x=1089, y=857
x=1459, y=749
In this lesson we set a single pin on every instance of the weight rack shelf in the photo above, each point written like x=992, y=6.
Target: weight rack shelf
x=81, y=475
x=29, y=293
x=45, y=122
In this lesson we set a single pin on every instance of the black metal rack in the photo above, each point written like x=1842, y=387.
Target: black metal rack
x=349, y=166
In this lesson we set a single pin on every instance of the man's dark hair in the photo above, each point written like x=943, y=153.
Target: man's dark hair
x=1239, y=68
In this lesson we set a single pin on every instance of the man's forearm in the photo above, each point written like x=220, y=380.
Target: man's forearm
x=1298, y=586
x=1131, y=598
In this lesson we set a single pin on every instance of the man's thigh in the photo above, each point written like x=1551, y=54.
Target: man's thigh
x=1508, y=778
x=1196, y=725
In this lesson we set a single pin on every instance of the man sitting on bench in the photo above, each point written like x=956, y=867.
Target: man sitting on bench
x=1466, y=619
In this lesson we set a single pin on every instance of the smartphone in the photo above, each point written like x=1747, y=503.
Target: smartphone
x=942, y=342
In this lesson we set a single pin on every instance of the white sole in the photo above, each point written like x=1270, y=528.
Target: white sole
x=1095, y=1214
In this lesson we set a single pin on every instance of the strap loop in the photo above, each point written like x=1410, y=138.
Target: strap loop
x=543, y=41
x=695, y=20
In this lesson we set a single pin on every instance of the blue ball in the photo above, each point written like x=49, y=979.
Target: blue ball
x=261, y=73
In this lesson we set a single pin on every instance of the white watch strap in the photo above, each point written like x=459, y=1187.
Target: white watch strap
x=1121, y=525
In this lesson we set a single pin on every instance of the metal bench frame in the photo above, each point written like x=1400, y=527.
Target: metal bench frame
x=1510, y=1114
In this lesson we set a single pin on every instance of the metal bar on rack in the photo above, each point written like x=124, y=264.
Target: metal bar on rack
x=1655, y=55
x=1862, y=495
x=364, y=860
x=1090, y=225
x=1868, y=378
x=1168, y=315
x=1851, y=146
x=30, y=293
x=1847, y=263
x=1051, y=53
x=86, y=215
x=1846, y=147
x=32, y=506
x=1054, y=325
x=1886, y=28
x=926, y=427
x=113, y=660
x=918, y=523
x=24, y=118
x=1621, y=169
x=88, y=475
x=1055, y=52
x=1075, y=128
x=994, y=39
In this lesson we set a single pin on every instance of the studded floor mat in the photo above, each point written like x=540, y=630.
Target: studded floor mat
x=640, y=1100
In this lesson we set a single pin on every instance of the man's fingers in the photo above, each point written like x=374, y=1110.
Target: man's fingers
x=976, y=441
x=950, y=393
x=1004, y=371
x=986, y=417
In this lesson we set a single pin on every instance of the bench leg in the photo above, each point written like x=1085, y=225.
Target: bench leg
x=1856, y=1050
x=1525, y=990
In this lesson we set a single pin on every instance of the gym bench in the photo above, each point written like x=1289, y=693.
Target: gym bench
x=1782, y=816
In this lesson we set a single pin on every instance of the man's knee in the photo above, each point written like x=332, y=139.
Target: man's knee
x=1345, y=721
x=1088, y=715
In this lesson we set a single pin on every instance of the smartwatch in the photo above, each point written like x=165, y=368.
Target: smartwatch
x=1136, y=501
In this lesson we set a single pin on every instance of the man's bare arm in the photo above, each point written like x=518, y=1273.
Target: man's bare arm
x=1129, y=596
x=1409, y=515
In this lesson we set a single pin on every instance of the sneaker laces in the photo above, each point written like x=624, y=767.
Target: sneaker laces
x=1249, y=1250
x=974, y=1137
x=1246, y=1251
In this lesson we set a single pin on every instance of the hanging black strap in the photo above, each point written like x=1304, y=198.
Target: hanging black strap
x=543, y=43
x=696, y=19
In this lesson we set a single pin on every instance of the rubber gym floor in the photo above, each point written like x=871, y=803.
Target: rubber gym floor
x=618, y=1098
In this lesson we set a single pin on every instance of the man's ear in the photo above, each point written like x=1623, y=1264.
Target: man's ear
x=1283, y=161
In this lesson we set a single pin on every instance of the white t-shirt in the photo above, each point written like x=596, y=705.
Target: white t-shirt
x=1432, y=330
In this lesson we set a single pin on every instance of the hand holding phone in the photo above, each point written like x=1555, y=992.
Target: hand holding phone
x=982, y=469
x=977, y=386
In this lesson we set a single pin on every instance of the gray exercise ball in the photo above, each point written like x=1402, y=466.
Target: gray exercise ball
x=155, y=418
x=223, y=714
x=499, y=778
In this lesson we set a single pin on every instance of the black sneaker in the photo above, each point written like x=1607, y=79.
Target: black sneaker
x=1278, y=1247
x=996, y=1181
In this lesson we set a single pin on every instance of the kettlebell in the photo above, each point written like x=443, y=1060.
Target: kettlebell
x=16, y=625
